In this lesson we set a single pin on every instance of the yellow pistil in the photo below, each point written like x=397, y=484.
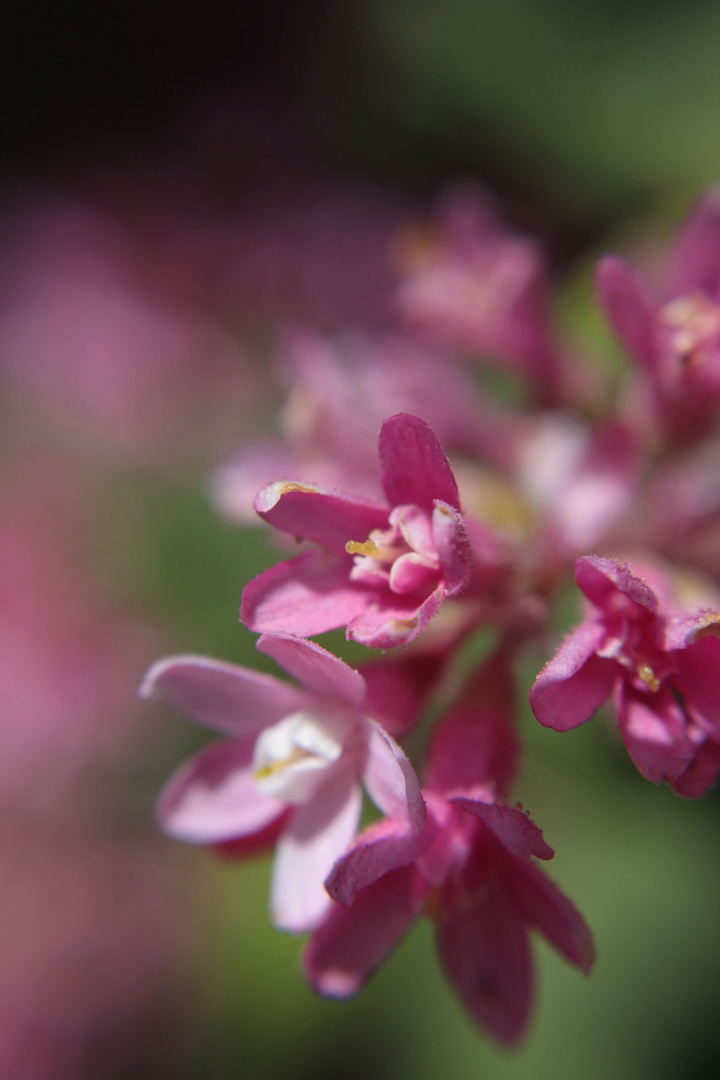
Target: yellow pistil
x=649, y=677
x=277, y=766
x=353, y=547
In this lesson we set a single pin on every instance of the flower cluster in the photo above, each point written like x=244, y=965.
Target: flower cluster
x=615, y=478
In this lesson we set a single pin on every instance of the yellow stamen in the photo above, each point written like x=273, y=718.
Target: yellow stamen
x=353, y=547
x=277, y=766
x=649, y=677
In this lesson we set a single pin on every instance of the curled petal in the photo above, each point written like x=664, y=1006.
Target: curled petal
x=452, y=546
x=607, y=582
x=316, y=668
x=391, y=620
x=575, y=682
x=415, y=469
x=327, y=518
x=512, y=826
x=655, y=733
x=391, y=780
x=383, y=847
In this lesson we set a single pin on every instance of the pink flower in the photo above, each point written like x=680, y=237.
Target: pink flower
x=470, y=870
x=663, y=665
x=292, y=765
x=675, y=337
x=386, y=569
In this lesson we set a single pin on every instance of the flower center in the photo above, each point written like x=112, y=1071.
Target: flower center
x=291, y=758
x=694, y=325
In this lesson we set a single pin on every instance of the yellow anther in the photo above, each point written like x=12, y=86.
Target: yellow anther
x=353, y=547
x=649, y=677
x=277, y=766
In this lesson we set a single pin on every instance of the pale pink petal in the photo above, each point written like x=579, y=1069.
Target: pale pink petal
x=575, y=682
x=470, y=748
x=695, y=263
x=382, y=847
x=318, y=835
x=225, y=697
x=316, y=668
x=452, y=546
x=328, y=518
x=653, y=728
x=390, y=779
x=486, y=955
x=305, y=596
x=629, y=306
x=352, y=942
x=390, y=620
x=512, y=826
x=213, y=797
x=415, y=469
x=546, y=908
x=606, y=581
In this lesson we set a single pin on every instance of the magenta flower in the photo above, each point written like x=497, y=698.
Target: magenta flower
x=291, y=768
x=675, y=337
x=663, y=665
x=470, y=869
x=386, y=569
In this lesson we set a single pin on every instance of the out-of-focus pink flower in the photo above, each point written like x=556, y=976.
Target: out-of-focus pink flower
x=470, y=869
x=385, y=570
x=674, y=338
x=291, y=770
x=662, y=663
x=473, y=285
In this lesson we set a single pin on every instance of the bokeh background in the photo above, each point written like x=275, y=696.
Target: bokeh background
x=179, y=184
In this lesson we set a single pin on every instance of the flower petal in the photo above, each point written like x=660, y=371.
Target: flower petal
x=415, y=468
x=213, y=797
x=381, y=848
x=390, y=620
x=629, y=306
x=221, y=696
x=304, y=596
x=471, y=748
x=512, y=826
x=575, y=682
x=653, y=728
x=352, y=942
x=452, y=546
x=390, y=779
x=327, y=518
x=606, y=581
x=696, y=259
x=316, y=668
x=319, y=833
x=548, y=909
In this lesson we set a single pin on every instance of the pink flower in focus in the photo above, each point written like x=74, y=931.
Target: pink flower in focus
x=470, y=869
x=385, y=570
x=290, y=770
x=675, y=337
x=662, y=664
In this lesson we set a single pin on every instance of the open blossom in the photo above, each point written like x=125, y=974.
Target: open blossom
x=470, y=869
x=662, y=664
x=386, y=569
x=291, y=769
x=674, y=337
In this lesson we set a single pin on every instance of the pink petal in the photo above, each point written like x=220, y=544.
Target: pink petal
x=486, y=955
x=575, y=682
x=318, y=835
x=629, y=306
x=396, y=691
x=654, y=731
x=225, y=697
x=352, y=942
x=382, y=847
x=213, y=797
x=606, y=581
x=411, y=572
x=471, y=748
x=390, y=779
x=390, y=620
x=304, y=596
x=696, y=259
x=415, y=469
x=314, y=667
x=698, y=680
x=512, y=826
x=452, y=546
x=701, y=774
x=328, y=518
x=546, y=908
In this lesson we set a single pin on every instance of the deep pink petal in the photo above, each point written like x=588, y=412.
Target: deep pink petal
x=395, y=696
x=486, y=955
x=304, y=596
x=415, y=469
x=695, y=263
x=629, y=306
x=328, y=518
x=575, y=682
x=452, y=546
x=225, y=697
x=512, y=826
x=605, y=581
x=352, y=942
x=316, y=668
x=382, y=847
x=698, y=680
x=318, y=835
x=213, y=797
x=653, y=728
x=701, y=774
x=471, y=748
x=391, y=620
x=546, y=908
x=390, y=779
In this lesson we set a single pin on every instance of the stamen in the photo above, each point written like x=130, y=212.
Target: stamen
x=277, y=766
x=353, y=547
x=649, y=677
